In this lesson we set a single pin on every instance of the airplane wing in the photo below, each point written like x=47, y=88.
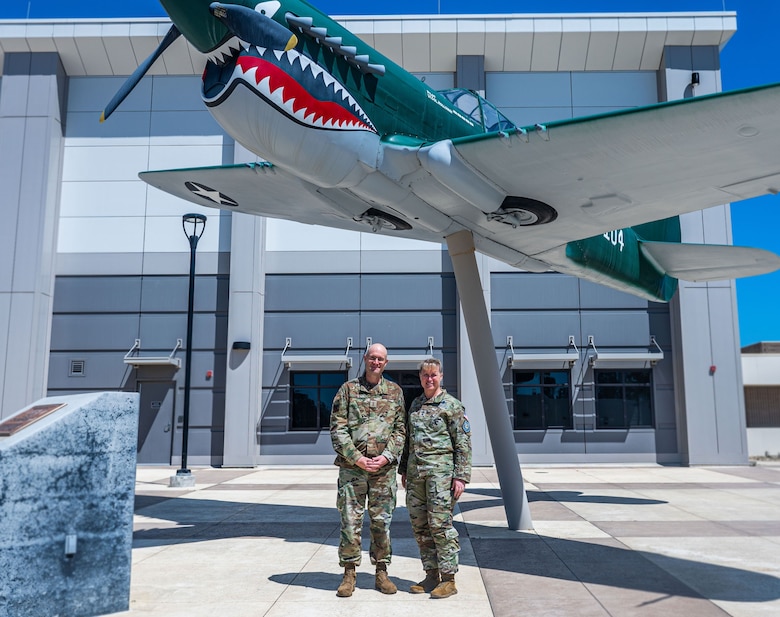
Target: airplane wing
x=621, y=169
x=265, y=189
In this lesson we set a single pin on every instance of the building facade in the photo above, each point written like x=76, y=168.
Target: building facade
x=761, y=371
x=94, y=268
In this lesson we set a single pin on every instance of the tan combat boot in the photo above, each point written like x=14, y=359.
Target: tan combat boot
x=428, y=584
x=446, y=588
x=384, y=584
x=348, y=582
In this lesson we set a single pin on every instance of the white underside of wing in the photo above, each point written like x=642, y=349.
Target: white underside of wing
x=619, y=170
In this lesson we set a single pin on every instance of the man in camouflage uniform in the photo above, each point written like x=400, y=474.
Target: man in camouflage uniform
x=368, y=431
x=435, y=468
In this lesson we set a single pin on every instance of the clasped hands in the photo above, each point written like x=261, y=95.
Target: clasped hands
x=372, y=464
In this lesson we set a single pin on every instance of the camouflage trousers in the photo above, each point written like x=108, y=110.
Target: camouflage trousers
x=356, y=488
x=430, y=504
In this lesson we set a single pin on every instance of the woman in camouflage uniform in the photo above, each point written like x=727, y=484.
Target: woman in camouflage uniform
x=435, y=468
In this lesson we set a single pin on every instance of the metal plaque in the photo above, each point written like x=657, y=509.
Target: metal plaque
x=26, y=418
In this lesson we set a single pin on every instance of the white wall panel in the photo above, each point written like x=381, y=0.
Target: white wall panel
x=547, y=45
x=117, y=234
x=574, y=45
x=630, y=43
x=164, y=234
x=119, y=48
x=519, y=43
x=443, y=45
x=290, y=236
x=103, y=162
x=603, y=44
x=495, y=41
x=124, y=198
x=165, y=157
x=471, y=37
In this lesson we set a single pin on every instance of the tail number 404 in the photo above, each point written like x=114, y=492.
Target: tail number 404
x=615, y=237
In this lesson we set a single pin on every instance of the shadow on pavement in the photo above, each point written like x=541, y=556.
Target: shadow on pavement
x=597, y=561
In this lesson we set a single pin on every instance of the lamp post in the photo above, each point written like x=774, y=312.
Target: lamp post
x=193, y=225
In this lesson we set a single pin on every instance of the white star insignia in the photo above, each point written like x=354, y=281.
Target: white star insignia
x=208, y=193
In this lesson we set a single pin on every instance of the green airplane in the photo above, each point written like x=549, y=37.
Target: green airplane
x=354, y=141
x=350, y=140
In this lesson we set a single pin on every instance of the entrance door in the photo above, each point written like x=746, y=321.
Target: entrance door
x=155, y=422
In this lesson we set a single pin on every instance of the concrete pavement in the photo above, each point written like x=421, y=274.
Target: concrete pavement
x=608, y=541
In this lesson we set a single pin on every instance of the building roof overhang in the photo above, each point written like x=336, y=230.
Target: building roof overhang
x=419, y=43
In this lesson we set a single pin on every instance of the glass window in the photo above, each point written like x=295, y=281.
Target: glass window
x=541, y=400
x=312, y=396
x=478, y=109
x=623, y=399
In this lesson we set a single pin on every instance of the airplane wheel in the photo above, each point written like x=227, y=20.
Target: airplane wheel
x=382, y=220
x=523, y=212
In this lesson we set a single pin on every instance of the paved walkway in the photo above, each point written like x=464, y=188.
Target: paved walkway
x=608, y=541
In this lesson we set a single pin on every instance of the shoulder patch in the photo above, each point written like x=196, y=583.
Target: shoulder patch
x=466, y=426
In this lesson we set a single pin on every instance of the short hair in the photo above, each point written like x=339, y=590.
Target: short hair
x=431, y=362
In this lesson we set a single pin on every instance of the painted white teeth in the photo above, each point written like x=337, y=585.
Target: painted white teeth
x=303, y=114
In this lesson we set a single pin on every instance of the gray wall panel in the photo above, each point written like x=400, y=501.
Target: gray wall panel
x=310, y=330
x=311, y=292
x=616, y=328
x=533, y=291
x=94, y=332
x=177, y=93
x=595, y=296
x=184, y=123
x=408, y=292
x=91, y=94
x=535, y=328
x=410, y=329
x=437, y=81
x=529, y=89
x=102, y=371
x=106, y=294
x=207, y=329
x=203, y=405
x=123, y=123
x=171, y=293
x=614, y=89
x=660, y=326
x=528, y=116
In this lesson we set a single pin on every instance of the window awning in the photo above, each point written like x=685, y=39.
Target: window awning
x=626, y=359
x=312, y=361
x=542, y=359
x=168, y=360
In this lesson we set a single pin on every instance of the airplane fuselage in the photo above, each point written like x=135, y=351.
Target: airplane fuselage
x=328, y=94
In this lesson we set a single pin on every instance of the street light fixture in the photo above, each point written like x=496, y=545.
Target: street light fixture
x=193, y=225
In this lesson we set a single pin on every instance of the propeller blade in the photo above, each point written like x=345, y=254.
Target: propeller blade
x=133, y=80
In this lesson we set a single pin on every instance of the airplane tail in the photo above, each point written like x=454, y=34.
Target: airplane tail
x=708, y=262
x=659, y=242
x=648, y=259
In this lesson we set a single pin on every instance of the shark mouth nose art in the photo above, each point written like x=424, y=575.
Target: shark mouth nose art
x=292, y=83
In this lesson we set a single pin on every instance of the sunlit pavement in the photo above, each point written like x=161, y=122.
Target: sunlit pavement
x=607, y=541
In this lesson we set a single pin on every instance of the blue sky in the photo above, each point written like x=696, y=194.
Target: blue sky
x=749, y=59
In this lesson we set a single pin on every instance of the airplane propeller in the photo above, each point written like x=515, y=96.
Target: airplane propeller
x=133, y=80
x=253, y=27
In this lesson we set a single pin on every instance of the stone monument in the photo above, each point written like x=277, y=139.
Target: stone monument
x=67, y=480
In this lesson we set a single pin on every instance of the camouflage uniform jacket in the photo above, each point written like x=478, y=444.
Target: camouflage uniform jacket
x=368, y=421
x=439, y=438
